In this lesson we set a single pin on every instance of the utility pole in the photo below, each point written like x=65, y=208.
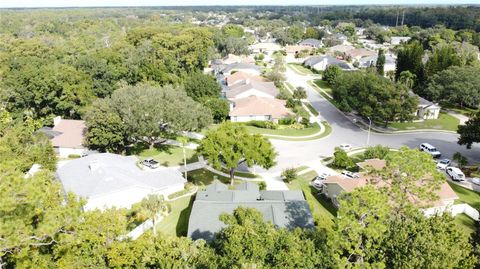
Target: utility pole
x=396, y=22
x=403, y=16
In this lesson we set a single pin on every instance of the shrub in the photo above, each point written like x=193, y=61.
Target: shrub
x=282, y=95
x=460, y=159
x=73, y=156
x=342, y=160
x=291, y=103
x=287, y=121
x=376, y=152
x=289, y=174
x=331, y=73
x=299, y=93
x=262, y=185
x=306, y=122
x=263, y=124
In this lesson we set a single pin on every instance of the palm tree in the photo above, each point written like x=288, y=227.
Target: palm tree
x=407, y=78
x=154, y=205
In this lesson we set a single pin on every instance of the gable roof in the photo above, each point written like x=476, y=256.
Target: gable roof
x=366, y=61
x=312, y=61
x=241, y=66
x=376, y=164
x=241, y=76
x=241, y=87
x=341, y=48
x=297, y=48
x=361, y=52
x=260, y=106
x=286, y=209
x=105, y=173
x=311, y=42
x=68, y=134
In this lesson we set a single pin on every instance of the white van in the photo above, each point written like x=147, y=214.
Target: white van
x=455, y=173
x=425, y=147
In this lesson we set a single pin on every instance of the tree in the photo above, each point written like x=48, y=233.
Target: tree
x=105, y=129
x=218, y=107
x=380, y=62
x=407, y=78
x=341, y=159
x=289, y=175
x=455, y=85
x=460, y=159
x=299, y=93
x=230, y=145
x=443, y=56
x=233, y=30
x=154, y=205
x=331, y=73
x=409, y=58
x=312, y=32
x=376, y=152
x=470, y=132
x=150, y=114
x=199, y=85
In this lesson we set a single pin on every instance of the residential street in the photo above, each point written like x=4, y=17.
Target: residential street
x=294, y=153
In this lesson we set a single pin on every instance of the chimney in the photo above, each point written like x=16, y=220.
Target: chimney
x=56, y=120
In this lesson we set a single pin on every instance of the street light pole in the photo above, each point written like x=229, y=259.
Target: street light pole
x=369, y=128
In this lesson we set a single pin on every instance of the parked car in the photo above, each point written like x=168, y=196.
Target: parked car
x=345, y=147
x=150, y=163
x=476, y=181
x=442, y=165
x=350, y=174
x=317, y=182
x=425, y=147
x=455, y=173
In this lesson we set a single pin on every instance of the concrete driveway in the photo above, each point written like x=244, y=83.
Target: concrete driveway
x=295, y=153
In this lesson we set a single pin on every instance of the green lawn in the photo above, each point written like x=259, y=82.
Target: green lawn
x=300, y=69
x=322, y=84
x=444, y=122
x=176, y=224
x=285, y=131
x=322, y=209
x=470, y=197
x=240, y=174
x=466, y=223
x=467, y=111
x=169, y=155
x=328, y=131
x=203, y=177
x=322, y=92
x=312, y=109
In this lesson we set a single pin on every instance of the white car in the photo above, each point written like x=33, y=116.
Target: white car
x=442, y=165
x=476, y=181
x=455, y=173
x=425, y=147
x=317, y=182
x=345, y=147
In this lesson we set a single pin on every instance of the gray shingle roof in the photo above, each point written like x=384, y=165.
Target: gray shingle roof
x=104, y=173
x=287, y=209
x=312, y=61
x=240, y=66
x=239, y=88
x=311, y=42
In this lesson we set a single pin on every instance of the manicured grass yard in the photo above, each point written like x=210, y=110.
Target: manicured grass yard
x=322, y=84
x=466, y=223
x=176, y=224
x=323, y=210
x=285, y=131
x=203, y=177
x=444, y=122
x=168, y=155
x=300, y=69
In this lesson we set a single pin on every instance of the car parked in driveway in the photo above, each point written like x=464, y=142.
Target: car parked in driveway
x=150, y=163
x=476, y=181
x=425, y=147
x=317, y=182
x=443, y=164
x=350, y=174
x=455, y=173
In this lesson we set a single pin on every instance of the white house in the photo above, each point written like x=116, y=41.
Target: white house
x=109, y=180
x=390, y=62
x=322, y=62
x=427, y=110
x=267, y=48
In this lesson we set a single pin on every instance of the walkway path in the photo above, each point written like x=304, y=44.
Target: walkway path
x=459, y=116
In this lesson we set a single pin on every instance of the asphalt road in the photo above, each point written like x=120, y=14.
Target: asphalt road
x=344, y=131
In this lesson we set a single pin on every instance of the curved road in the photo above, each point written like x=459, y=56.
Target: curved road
x=344, y=131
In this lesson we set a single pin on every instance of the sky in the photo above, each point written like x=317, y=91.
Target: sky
x=94, y=3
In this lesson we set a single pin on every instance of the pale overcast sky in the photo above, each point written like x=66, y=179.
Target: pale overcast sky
x=92, y=3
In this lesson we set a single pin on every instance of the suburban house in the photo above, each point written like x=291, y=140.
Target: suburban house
x=335, y=185
x=340, y=49
x=311, y=42
x=242, y=67
x=109, y=180
x=284, y=209
x=66, y=136
x=343, y=39
x=357, y=54
x=232, y=58
x=267, y=48
x=238, y=77
x=258, y=108
x=322, y=62
x=427, y=110
x=397, y=40
x=390, y=62
x=248, y=88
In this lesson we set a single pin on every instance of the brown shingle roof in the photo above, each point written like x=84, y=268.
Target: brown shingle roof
x=376, y=164
x=260, y=106
x=242, y=76
x=71, y=134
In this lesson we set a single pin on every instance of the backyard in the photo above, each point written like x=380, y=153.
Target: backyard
x=323, y=210
x=468, y=197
